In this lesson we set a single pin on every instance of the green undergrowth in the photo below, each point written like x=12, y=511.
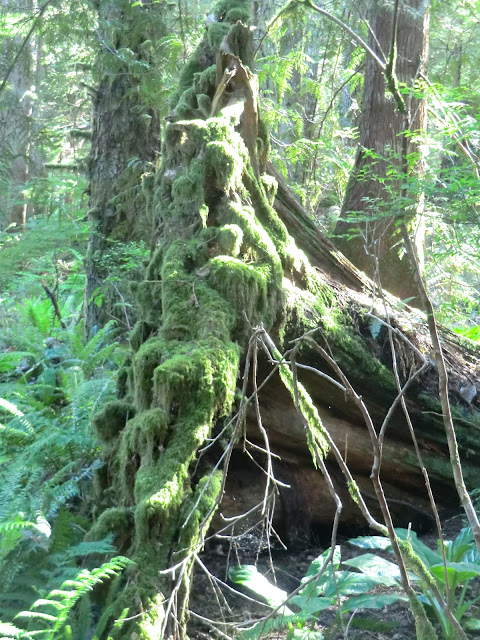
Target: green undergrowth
x=27, y=256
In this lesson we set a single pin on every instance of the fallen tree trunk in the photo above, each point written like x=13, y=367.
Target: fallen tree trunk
x=236, y=258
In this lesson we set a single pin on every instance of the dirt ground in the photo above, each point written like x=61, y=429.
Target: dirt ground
x=215, y=599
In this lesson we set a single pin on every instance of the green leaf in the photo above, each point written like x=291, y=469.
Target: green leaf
x=304, y=634
x=472, y=623
x=463, y=543
x=9, y=630
x=372, y=542
x=458, y=572
x=376, y=567
x=10, y=360
x=249, y=576
x=372, y=601
x=312, y=606
x=318, y=563
x=349, y=583
x=373, y=624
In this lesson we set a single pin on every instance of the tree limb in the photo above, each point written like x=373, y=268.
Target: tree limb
x=41, y=11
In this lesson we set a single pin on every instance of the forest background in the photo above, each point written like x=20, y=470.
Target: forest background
x=67, y=315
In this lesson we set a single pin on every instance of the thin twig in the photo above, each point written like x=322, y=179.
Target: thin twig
x=40, y=13
x=53, y=299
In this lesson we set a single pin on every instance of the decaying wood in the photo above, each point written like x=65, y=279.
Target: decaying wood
x=307, y=505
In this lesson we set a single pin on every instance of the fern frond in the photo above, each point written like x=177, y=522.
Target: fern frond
x=10, y=360
x=264, y=627
x=15, y=411
x=14, y=437
x=64, y=599
x=9, y=630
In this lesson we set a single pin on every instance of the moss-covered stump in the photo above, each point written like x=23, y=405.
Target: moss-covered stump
x=222, y=264
x=215, y=272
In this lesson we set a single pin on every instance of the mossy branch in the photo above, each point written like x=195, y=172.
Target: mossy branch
x=390, y=75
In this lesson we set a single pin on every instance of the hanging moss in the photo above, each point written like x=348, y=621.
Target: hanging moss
x=141, y=332
x=269, y=185
x=227, y=10
x=204, y=82
x=200, y=508
x=109, y=422
x=315, y=431
x=224, y=165
x=117, y=521
x=147, y=358
x=216, y=33
x=245, y=286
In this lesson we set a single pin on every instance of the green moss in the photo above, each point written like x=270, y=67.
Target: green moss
x=199, y=509
x=245, y=286
x=111, y=419
x=204, y=105
x=270, y=186
x=191, y=67
x=225, y=164
x=239, y=38
x=187, y=189
x=414, y=564
x=315, y=432
x=216, y=33
x=146, y=360
x=204, y=82
x=160, y=487
x=117, y=521
x=211, y=372
x=190, y=306
x=423, y=626
x=122, y=382
x=153, y=268
x=230, y=238
x=144, y=436
x=111, y=521
x=187, y=105
x=149, y=298
x=223, y=7
x=140, y=333
x=236, y=14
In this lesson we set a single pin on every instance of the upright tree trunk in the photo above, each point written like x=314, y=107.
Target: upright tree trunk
x=19, y=160
x=373, y=192
x=125, y=145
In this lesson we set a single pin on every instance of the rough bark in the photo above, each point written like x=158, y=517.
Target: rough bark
x=20, y=161
x=372, y=243
x=125, y=145
x=226, y=262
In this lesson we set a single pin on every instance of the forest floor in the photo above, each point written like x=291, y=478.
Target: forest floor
x=214, y=598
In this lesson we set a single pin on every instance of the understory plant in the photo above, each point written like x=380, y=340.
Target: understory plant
x=65, y=612
x=453, y=578
x=369, y=581
x=324, y=586
x=51, y=382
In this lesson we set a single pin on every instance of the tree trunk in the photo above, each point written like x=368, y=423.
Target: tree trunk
x=20, y=162
x=125, y=145
x=226, y=266
x=367, y=230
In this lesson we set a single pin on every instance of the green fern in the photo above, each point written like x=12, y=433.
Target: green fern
x=53, y=612
x=9, y=630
